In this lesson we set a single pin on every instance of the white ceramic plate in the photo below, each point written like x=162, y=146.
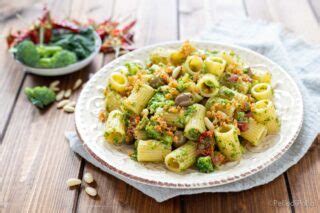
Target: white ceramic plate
x=288, y=101
x=68, y=69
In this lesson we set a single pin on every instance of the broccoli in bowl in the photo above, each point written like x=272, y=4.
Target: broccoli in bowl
x=63, y=49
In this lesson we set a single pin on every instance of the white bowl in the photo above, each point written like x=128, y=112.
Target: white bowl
x=288, y=102
x=68, y=69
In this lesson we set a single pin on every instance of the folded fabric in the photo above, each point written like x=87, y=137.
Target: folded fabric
x=299, y=59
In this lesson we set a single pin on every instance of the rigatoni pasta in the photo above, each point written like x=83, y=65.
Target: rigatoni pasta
x=195, y=125
x=182, y=158
x=139, y=98
x=228, y=142
x=115, y=127
x=189, y=107
x=152, y=151
x=264, y=112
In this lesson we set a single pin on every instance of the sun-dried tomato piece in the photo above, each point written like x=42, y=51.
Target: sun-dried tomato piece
x=133, y=122
x=217, y=158
x=205, y=144
x=243, y=126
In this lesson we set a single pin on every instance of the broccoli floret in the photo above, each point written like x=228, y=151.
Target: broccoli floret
x=40, y=96
x=151, y=131
x=63, y=58
x=204, y=164
x=158, y=100
x=158, y=135
x=48, y=51
x=27, y=53
x=45, y=63
x=133, y=67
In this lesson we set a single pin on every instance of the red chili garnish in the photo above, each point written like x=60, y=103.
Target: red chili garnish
x=217, y=158
x=113, y=37
x=243, y=126
x=205, y=144
x=233, y=78
x=65, y=24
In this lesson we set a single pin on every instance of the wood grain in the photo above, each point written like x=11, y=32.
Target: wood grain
x=247, y=201
x=296, y=16
x=11, y=73
x=35, y=158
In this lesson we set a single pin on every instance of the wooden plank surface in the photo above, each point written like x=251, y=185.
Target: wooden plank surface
x=35, y=159
x=11, y=73
x=115, y=195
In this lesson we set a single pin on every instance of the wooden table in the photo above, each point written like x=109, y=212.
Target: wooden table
x=36, y=161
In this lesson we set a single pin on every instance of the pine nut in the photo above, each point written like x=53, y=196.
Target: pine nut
x=67, y=94
x=88, y=178
x=208, y=123
x=60, y=95
x=73, y=182
x=54, y=84
x=68, y=109
x=145, y=112
x=71, y=104
x=77, y=84
x=91, y=191
x=176, y=72
x=62, y=103
x=55, y=89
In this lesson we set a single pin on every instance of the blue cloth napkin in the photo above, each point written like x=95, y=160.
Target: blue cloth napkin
x=300, y=59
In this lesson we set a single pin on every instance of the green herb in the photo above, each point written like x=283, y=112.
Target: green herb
x=134, y=155
x=82, y=44
x=158, y=100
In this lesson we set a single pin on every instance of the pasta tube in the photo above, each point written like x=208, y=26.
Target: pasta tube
x=264, y=112
x=182, y=158
x=230, y=94
x=228, y=142
x=118, y=82
x=195, y=125
x=215, y=65
x=160, y=56
x=174, y=118
x=113, y=101
x=152, y=151
x=139, y=98
x=255, y=132
x=262, y=76
x=228, y=58
x=262, y=91
x=193, y=65
x=208, y=85
x=115, y=132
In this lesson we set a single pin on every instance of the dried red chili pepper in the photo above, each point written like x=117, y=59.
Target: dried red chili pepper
x=65, y=24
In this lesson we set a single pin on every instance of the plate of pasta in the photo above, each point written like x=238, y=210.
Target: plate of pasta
x=189, y=114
